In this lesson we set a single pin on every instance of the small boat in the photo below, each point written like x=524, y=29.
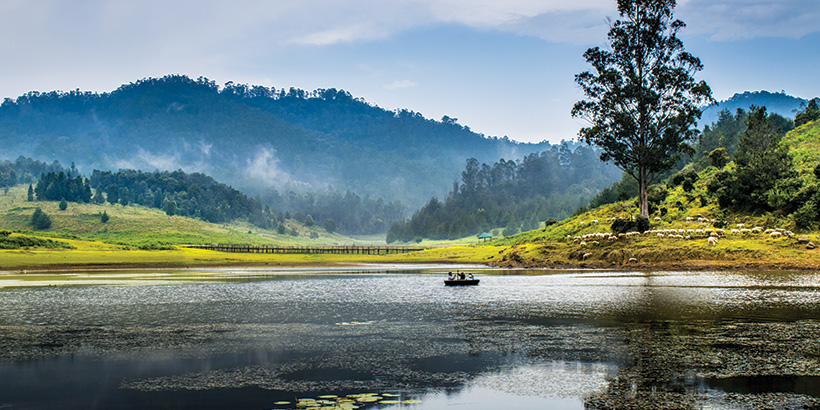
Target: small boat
x=461, y=282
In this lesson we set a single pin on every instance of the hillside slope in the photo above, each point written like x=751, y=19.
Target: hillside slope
x=683, y=220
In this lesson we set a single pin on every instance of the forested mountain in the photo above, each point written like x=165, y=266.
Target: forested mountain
x=516, y=195
x=776, y=103
x=251, y=137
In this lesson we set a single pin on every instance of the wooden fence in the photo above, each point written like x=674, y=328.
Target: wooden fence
x=349, y=250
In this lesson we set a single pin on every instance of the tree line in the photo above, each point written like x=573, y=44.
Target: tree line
x=199, y=196
x=344, y=212
x=24, y=170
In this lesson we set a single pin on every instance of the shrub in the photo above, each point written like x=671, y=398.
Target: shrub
x=719, y=157
x=624, y=225
x=806, y=216
x=63, y=205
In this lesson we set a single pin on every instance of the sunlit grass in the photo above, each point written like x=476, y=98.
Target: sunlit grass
x=137, y=225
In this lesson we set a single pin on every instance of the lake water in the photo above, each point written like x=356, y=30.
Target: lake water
x=521, y=339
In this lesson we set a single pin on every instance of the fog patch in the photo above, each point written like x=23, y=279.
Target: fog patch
x=147, y=160
x=511, y=151
x=263, y=168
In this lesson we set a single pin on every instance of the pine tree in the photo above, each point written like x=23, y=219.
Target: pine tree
x=98, y=198
x=63, y=205
x=104, y=217
x=39, y=220
x=30, y=193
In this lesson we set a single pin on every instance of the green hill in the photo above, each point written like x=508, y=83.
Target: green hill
x=781, y=234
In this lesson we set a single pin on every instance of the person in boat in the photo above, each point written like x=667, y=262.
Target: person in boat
x=461, y=276
x=450, y=276
x=470, y=276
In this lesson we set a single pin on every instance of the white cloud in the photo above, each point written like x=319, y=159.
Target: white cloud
x=400, y=84
x=747, y=19
x=346, y=34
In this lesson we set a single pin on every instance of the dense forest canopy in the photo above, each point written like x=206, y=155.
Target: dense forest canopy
x=514, y=195
x=251, y=137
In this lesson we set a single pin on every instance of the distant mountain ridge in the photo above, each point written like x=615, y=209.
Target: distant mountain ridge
x=251, y=137
x=780, y=103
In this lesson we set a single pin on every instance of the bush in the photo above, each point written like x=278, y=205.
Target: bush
x=17, y=242
x=718, y=158
x=806, y=216
x=510, y=230
x=624, y=225
x=63, y=205
x=104, y=217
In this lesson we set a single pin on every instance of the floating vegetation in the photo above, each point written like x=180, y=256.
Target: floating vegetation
x=355, y=323
x=349, y=402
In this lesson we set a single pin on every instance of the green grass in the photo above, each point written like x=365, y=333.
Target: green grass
x=137, y=226
x=804, y=144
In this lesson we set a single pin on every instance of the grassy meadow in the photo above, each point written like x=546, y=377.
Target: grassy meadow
x=136, y=236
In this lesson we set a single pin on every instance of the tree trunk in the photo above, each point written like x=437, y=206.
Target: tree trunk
x=643, y=199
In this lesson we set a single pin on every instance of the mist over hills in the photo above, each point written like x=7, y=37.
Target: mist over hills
x=252, y=137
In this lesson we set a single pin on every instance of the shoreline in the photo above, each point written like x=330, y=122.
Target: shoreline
x=658, y=266
x=241, y=265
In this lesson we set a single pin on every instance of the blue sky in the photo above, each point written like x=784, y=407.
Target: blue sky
x=502, y=68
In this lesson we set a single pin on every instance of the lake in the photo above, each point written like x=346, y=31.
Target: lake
x=256, y=339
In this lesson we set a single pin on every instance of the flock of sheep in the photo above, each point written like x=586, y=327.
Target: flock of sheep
x=711, y=234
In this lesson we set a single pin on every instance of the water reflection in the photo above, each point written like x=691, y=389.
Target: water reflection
x=537, y=339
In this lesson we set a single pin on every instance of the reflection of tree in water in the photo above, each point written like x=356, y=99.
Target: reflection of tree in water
x=655, y=379
x=682, y=356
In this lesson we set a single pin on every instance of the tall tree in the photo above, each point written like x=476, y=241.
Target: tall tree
x=763, y=162
x=642, y=97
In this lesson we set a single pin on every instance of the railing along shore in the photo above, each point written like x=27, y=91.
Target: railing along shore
x=340, y=249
